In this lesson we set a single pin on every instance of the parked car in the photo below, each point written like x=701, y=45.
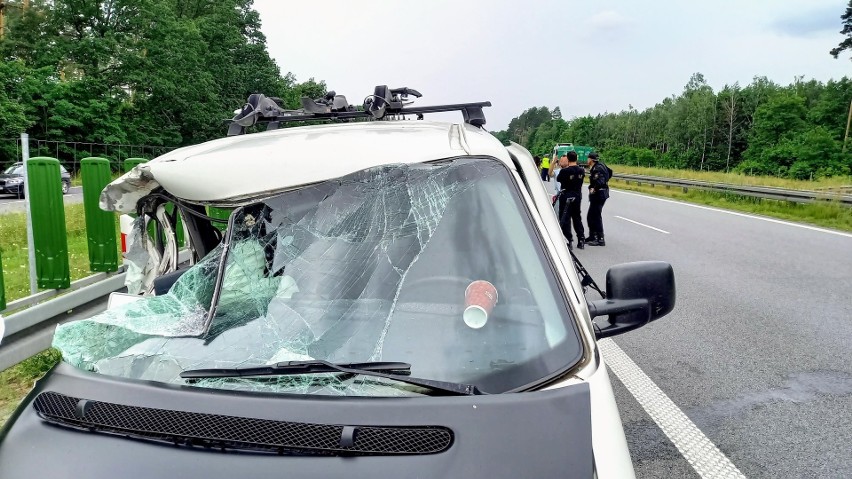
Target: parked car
x=405, y=308
x=12, y=180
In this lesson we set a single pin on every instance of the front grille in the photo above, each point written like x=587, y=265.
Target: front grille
x=219, y=431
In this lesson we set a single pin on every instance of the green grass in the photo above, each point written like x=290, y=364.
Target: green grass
x=13, y=243
x=737, y=179
x=825, y=214
x=17, y=381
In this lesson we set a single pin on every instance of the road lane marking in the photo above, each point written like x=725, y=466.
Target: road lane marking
x=643, y=224
x=707, y=460
x=744, y=215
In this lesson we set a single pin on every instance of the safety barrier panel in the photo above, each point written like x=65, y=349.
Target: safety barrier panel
x=50, y=239
x=130, y=163
x=49, y=235
x=100, y=225
x=219, y=213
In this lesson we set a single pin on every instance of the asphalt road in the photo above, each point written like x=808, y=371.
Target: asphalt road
x=757, y=351
x=10, y=203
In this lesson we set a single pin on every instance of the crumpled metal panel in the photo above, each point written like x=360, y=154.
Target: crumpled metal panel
x=122, y=194
x=141, y=259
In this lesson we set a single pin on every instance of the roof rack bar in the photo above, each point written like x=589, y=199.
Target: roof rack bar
x=471, y=112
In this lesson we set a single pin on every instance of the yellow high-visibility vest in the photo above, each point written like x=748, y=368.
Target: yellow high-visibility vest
x=545, y=162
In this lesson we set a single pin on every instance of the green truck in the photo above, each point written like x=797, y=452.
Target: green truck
x=582, y=152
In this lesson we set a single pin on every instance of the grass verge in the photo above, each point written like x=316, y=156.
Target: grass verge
x=18, y=380
x=13, y=243
x=833, y=183
x=825, y=214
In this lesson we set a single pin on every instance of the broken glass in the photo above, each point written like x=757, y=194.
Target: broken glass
x=373, y=266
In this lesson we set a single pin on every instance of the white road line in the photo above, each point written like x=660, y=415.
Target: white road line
x=707, y=460
x=643, y=224
x=744, y=215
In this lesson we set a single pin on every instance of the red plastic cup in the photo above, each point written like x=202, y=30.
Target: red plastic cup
x=479, y=300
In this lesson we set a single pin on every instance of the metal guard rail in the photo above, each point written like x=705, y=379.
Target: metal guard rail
x=29, y=330
x=765, y=192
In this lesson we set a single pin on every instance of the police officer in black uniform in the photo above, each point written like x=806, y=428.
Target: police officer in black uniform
x=599, y=175
x=570, y=179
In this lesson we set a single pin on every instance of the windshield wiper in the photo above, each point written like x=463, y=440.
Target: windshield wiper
x=388, y=370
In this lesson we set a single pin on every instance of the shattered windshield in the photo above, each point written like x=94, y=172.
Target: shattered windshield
x=437, y=265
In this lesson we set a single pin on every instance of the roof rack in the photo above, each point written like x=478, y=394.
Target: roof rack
x=383, y=104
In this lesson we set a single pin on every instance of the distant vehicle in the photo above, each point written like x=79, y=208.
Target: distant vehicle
x=409, y=309
x=12, y=180
x=582, y=152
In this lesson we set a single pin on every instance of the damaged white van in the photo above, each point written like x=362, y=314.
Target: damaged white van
x=405, y=306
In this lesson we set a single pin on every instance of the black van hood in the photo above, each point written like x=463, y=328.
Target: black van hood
x=534, y=434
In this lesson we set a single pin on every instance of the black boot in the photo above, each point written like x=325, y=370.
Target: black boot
x=581, y=243
x=570, y=247
x=598, y=241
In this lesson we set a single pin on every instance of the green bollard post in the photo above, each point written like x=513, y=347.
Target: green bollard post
x=2, y=286
x=50, y=239
x=100, y=225
x=220, y=213
x=130, y=163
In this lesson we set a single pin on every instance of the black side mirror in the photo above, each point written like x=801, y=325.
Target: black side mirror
x=637, y=293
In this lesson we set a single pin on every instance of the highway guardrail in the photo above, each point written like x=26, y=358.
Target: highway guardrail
x=764, y=192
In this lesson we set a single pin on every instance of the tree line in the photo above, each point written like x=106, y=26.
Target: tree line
x=793, y=131
x=143, y=72
x=796, y=131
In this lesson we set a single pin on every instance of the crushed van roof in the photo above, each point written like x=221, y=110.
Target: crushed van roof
x=233, y=169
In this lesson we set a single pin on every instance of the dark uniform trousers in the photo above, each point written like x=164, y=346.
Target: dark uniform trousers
x=569, y=212
x=598, y=179
x=593, y=217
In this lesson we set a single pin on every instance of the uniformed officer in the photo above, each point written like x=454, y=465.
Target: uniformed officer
x=570, y=178
x=599, y=175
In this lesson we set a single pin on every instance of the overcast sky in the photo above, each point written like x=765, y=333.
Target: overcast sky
x=586, y=57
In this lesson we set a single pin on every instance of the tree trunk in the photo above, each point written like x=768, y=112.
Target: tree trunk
x=713, y=135
x=731, y=113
